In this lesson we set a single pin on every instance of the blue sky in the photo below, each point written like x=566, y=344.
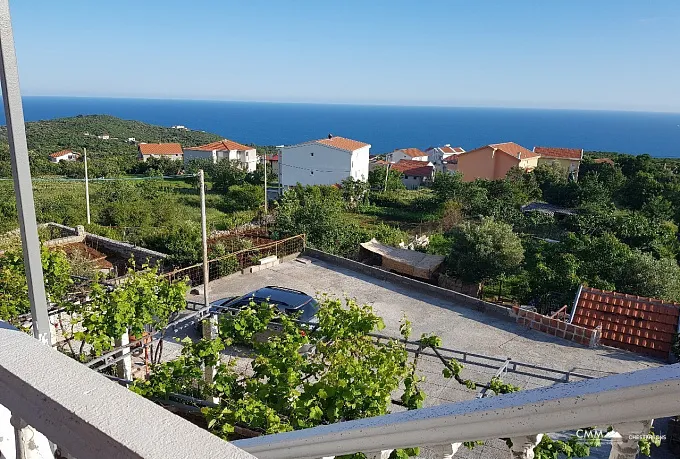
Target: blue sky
x=592, y=54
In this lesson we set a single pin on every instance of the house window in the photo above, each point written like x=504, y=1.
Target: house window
x=311, y=154
x=312, y=172
x=406, y=177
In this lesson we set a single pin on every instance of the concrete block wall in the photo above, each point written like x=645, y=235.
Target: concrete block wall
x=105, y=244
x=432, y=290
x=587, y=336
x=76, y=235
x=125, y=250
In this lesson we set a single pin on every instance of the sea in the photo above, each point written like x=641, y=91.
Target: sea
x=387, y=127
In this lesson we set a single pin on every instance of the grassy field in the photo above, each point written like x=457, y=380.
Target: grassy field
x=129, y=203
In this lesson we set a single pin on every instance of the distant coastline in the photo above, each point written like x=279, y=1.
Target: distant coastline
x=387, y=127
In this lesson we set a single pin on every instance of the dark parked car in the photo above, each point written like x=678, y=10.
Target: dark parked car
x=286, y=300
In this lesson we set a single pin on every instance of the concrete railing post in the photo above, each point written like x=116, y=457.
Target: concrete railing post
x=625, y=440
x=447, y=450
x=7, y=448
x=379, y=454
x=28, y=442
x=124, y=366
x=523, y=447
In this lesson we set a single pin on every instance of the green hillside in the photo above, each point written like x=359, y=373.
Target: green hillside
x=108, y=157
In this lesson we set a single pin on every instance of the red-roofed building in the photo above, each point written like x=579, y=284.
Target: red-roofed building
x=224, y=149
x=567, y=158
x=410, y=154
x=637, y=324
x=415, y=173
x=160, y=150
x=492, y=162
x=323, y=162
x=64, y=155
x=437, y=155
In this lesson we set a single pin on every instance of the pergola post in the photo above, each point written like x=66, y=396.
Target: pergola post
x=21, y=173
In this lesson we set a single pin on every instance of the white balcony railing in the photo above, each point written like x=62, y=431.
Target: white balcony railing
x=83, y=414
x=626, y=401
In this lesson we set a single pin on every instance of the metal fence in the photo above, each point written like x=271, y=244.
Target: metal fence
x=239, y=260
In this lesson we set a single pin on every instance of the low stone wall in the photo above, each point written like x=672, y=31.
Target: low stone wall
x=125, y=250
x=457, y=285
x=587, y=336
x=77, y=235
x=432, y=290
x=105, y=244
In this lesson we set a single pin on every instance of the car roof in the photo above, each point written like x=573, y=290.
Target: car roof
x=292, y=298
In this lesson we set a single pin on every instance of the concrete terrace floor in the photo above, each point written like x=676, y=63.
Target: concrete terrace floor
x=460, y=328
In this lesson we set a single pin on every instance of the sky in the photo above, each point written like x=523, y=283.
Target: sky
x=578, y=54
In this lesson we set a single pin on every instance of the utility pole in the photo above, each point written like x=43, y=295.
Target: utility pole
x=21, y=173
x=387, y=174
x=87, y=187
x=204, y=232
x=265, y=184
x=210, y=324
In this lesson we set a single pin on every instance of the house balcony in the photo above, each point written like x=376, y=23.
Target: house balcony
x=50, y=402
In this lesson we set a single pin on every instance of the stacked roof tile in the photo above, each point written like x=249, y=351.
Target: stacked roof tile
x=637, y=324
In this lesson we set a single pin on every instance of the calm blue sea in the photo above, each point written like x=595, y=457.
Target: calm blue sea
x=387, y=127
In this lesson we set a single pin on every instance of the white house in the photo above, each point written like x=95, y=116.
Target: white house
x=64, y=155
x=104, y=137
x=224, y=150
x=409, y=154
x=437, y=155
x=160, y=150
x=323, y=162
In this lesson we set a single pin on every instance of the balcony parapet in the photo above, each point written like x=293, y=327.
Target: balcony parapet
x=85, y=414
x=613, y=400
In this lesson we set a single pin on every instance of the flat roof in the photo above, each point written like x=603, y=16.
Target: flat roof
x=460, y=327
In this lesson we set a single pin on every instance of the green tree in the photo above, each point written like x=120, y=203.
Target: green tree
x=144, y=299
x=348, y=376
x=481, y=252
x=354, y=192
x=225, y=174
x=14, y=289
x=317, y=211
x=448, y=186
x=244, y=197
x=376, y=179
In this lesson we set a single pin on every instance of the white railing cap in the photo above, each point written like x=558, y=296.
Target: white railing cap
x=640, y=395
x=90, y=416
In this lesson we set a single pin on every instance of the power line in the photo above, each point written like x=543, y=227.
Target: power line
x=106, y=179
x=316, y=170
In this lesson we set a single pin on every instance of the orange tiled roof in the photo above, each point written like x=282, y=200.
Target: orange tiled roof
x=160, y=149
x=450, y=149
x=221, y=145
x=343, y=143
x=604, y=161
x=411, y=167
x=412, y=152
x=61, y=153
x=514, y=149
x=637, y=324
x=554, y=152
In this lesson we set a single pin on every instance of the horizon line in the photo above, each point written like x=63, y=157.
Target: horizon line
x=354, y=104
